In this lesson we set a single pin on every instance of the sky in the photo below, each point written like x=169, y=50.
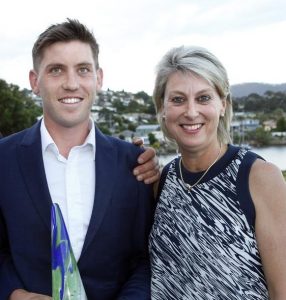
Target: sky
x=247, y=36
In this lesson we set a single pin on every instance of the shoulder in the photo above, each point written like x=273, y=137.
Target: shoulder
x=125, y=152
x=115, y=142
x=265, y=172
x=266, y=183
x=12, y=140
x=163, y=177
x=25, y=136
x=124, y=146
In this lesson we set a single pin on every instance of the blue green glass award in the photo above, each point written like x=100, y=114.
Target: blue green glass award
x=66, y=280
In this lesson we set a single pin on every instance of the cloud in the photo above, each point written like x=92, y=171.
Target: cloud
x=133, y=35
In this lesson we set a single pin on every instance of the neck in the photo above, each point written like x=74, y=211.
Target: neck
x=66, y=138
x=200, y=160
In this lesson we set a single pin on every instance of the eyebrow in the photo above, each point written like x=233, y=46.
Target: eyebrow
x=176, y=92
x=54, y=65
x=206, y=90
x=84, y=64
x=63, y=65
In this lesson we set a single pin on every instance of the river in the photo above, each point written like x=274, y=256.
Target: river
x=274, y=154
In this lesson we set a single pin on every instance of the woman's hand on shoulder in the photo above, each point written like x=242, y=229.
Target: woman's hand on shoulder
x=268, y=191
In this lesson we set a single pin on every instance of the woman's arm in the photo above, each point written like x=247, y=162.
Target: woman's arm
x=268, y=191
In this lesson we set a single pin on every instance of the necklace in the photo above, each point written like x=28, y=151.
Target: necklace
x=189, y=186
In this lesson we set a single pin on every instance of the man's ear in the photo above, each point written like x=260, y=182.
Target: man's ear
x=99, y=79
x=33, y=77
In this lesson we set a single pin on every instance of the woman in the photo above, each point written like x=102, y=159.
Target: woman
x=220, y=222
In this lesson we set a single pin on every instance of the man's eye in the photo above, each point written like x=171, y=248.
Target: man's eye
x=83, y=70
x=177, y=99
x=55, y=71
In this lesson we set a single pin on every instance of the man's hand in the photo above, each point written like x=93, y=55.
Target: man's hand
x=149, y=169
x=24, y=295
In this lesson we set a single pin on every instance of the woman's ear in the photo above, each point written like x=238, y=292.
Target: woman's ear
x=222, y=112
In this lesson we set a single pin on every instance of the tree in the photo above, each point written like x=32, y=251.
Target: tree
x=143, y=95
x=261, y=137
x=152, y=138
x=281, y=124
x=133, y=106
x=17, y=109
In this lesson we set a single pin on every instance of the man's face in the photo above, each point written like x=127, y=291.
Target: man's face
x=67, y=81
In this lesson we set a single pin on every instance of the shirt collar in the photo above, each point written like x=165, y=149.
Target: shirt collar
x=90, y=139
x=47, y=139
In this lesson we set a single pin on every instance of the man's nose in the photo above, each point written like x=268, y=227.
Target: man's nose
x=71, y=81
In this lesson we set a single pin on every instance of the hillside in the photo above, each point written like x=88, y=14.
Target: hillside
x=245, y=89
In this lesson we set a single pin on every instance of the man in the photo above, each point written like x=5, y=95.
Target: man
x=65, y=159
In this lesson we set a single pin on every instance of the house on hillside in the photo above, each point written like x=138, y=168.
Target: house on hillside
x=144, y=130
x=269, y=125
x=244, y=125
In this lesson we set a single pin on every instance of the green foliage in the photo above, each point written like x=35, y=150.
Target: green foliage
x=260, y=136
x=152, y=138
x=17, y=109
x=267, y=103
x=149, y=107
x=120, y=108
x=134, y=106
x=143, y=95
x=132, y=126
x=156, y=145
x=281, y=124
x=104, y=129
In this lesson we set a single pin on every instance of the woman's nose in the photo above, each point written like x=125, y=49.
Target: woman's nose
x=191, y=109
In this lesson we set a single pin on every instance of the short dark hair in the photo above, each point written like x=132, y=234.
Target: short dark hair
x=69, y=30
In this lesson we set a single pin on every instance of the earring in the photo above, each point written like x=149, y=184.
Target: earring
x=222, y=114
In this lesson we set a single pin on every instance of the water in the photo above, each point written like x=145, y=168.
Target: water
x=274, y=154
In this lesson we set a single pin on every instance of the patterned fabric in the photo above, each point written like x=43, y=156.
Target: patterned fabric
x=202, y=245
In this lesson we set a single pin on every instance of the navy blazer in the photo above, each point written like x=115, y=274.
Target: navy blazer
x=114, y=261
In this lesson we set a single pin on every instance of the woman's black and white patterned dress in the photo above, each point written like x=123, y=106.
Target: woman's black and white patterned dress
x=203, y=244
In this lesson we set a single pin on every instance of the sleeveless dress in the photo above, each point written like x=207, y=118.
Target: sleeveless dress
x=202, y=244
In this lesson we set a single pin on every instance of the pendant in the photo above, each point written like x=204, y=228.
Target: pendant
x=188, y=186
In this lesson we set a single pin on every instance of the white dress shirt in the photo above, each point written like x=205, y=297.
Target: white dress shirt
x=71, y=183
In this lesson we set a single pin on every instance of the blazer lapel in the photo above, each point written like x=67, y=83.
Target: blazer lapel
x=32, y=168
x=105, y=170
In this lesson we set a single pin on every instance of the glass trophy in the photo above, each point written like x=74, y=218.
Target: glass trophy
x=66, y=280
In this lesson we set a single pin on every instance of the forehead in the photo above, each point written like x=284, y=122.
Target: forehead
x=186, y=81
x=68, y=52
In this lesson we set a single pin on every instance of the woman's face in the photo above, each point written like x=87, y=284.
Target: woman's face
x=192, y=109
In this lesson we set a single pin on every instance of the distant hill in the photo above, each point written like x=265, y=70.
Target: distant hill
x=245, y=89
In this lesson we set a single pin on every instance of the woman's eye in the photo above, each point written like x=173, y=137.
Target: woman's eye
x=204, y=98
x=177, y=100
